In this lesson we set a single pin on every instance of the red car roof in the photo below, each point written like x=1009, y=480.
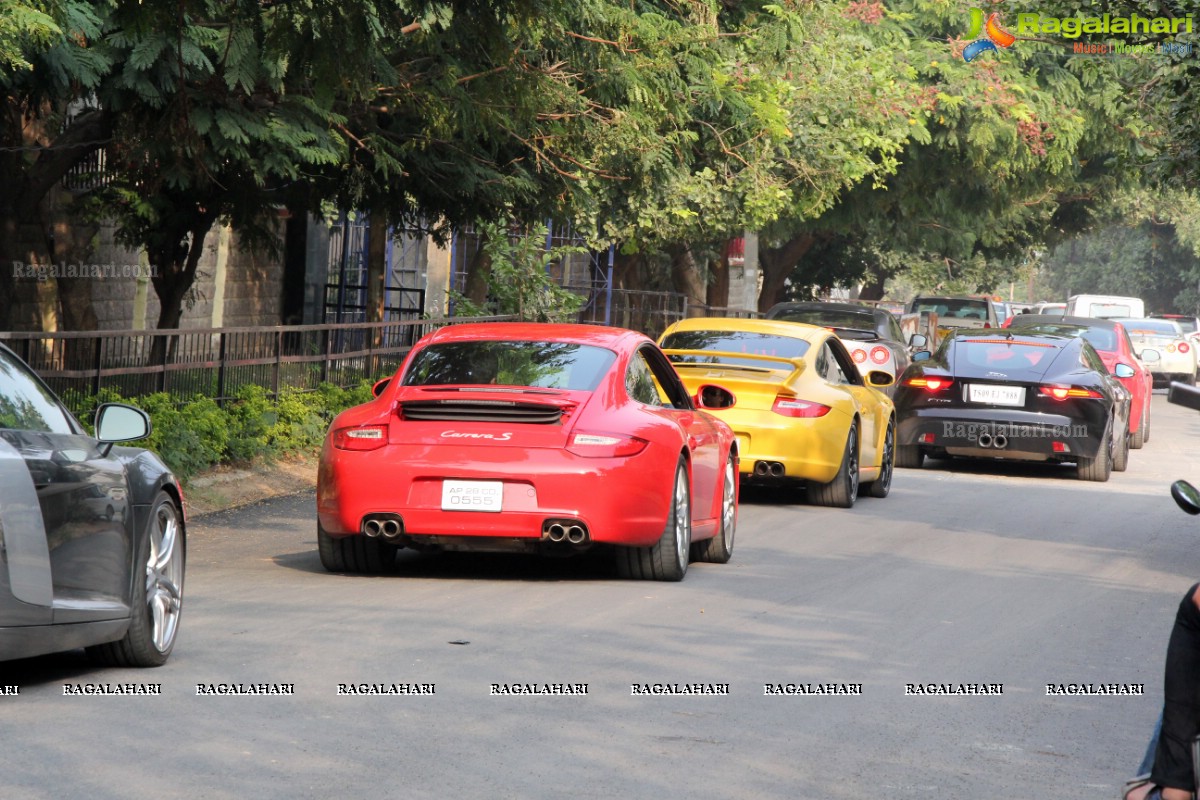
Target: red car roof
x=597, y=335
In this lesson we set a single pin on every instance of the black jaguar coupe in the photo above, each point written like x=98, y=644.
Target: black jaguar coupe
x=1007, y=395
x=92, y=535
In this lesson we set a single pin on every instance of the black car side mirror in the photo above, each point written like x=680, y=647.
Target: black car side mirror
x=918, y=341
x=922, y=355
x=117, y=422
x=1186, y=496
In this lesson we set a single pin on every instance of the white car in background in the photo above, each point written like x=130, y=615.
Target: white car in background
x=1177, y=353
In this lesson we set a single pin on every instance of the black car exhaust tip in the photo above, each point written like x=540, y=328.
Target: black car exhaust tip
x=1000, y=441
x=371, y=528
x=985, y=440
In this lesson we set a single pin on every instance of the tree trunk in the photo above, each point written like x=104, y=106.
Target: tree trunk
x=873, y=288
x=686, y=277
x=479, y=273
x=718, y=286
x=377, y=243
x=777, y=263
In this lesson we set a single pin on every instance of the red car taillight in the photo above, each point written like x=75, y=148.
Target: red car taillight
x=929, y=384
x=605, y=445
x=364, y=437
x=791, y=407
x=1183, y=347
x=1064, y=392
x=880, y=355
x=859, y=356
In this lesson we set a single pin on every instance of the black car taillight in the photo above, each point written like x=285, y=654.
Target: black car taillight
x=930, y=384
x=1067, y=392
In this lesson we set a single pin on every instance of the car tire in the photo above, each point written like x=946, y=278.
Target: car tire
x=157, y=600
x=909, y=456
x=666, y=559
x=355, y=554
x=719, y=549
x=887, y=464
x=1121, y=454
x=843, y=489
x=1137, y=440
x=1100, y=467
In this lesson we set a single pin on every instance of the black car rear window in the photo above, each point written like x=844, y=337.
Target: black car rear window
x=557, y=365
x=759, y=344
x=1100, y=338
x=1011, y=357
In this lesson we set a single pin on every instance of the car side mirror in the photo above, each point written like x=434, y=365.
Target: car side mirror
x=922, y=355
x=918, y=341
x=1186, y=496
x=712, y=396
x=880, y=379
x=117, y=422
x=1124, y=371
x=379, y=386
x=1150, y=355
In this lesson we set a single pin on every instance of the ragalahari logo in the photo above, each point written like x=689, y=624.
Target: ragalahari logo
x=993, y=35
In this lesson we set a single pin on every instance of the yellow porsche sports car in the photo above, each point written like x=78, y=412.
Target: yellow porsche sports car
x=796, y=402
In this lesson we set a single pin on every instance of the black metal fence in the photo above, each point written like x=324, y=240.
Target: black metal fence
x=218, y=361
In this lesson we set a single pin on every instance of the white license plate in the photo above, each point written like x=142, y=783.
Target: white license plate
x=996, y=395
x=472, y=495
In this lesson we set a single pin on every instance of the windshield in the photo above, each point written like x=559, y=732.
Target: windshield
x=1151, y=327
x=1104, y=339
x=555, y=365
x=952, y=308
x=830, y=318
x=762, y=344
x=1188, y=324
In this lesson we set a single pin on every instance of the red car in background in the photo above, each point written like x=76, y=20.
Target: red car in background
x=536, y=438
x=1111, y=342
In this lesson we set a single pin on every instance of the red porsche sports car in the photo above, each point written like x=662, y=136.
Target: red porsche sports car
x=527, y=437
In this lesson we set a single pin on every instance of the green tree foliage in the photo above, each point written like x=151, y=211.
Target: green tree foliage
x=520, y=284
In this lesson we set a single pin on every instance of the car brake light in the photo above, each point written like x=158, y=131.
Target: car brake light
x=365, y=437
x=859, y=356
x=929, y=384
x=1183, y=347
x=880, y=355
x=987, y=324
x=1063, y=392
x=605, y=445
x=791, y=407
x=1171, y=348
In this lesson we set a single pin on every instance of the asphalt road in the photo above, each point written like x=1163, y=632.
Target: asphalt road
x=968, y=574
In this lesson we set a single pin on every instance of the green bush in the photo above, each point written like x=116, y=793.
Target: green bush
x=194, y=434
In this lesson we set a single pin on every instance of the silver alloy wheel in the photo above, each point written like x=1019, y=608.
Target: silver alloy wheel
x=728, y=506
x=683, y=517
x=164, y=576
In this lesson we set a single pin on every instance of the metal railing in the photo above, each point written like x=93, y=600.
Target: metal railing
x=217, y=362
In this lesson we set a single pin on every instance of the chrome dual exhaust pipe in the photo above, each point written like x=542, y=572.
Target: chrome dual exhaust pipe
x=999, y=441
x=565, y=531
x=773, y=469
x=388, y=527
